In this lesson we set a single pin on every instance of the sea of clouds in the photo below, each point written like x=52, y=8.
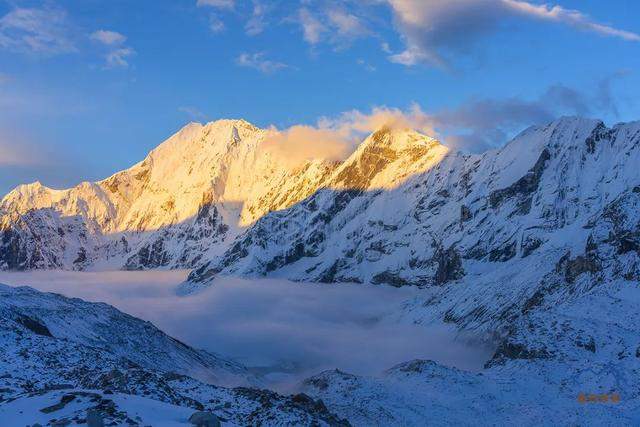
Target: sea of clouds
x=284, y=330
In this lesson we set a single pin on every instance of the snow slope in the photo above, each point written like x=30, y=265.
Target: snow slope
x=187, y=198
x=71, y=356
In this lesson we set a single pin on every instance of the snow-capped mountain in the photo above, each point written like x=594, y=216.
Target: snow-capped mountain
x=401, y=210
x=184, y=202
x=61, y=358
x=534, y=246
x=404, y=210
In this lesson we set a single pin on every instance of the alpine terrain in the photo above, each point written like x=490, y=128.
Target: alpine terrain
x=534, y=247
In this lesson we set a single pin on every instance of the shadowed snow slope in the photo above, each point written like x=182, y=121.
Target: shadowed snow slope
x=61, y=357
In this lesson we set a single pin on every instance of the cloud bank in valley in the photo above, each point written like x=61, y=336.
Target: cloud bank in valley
x=297, y=328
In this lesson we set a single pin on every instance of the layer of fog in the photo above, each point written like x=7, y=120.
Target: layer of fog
x=283, y=329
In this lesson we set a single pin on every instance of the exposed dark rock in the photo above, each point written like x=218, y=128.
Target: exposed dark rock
x=581, y=264
x=530, y=244
x=150, y=256
x=329, y=275
x=390, y=278
x=534, y=301
x=522, y=187
x=589, y=344
x=82, y=256
x=503, y=253
x=628, y=242
x=34, y=326
x=513, y=350
x=64, y=400
x=599, y=133
x=449, y=266
x=465, y=213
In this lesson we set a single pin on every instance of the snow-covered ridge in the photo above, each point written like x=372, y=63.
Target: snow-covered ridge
x=401, y=209
x=103, y=327
x=187, y=200
x=428, y=218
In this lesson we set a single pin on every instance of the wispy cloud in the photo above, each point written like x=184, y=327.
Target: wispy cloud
x=117, y=53
x=367, y=66
x=570, y=17
x=256, y=23
x=346, y=24
x=481, y=124
x=433, y=29
x=193, y=113
x=259, y=62
x=312, y=28
x=335, y=25
x=108, y=38
x=216, y=25
x=42, y=31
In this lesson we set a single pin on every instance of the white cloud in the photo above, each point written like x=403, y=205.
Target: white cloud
x=216, y=25
x=220, y=4
x=366, y=65
x=414, y=55
x=256, y=23
x=335, y=138
x=117, y=54
x=432, y=29
x=117, y=58
x=474, y=126
x=355, y=124
x=334, y=25
x=43, y=31
x=312, y=28
x=346, y=24
x=108, y=37
x=259, y=62
x=568, y=16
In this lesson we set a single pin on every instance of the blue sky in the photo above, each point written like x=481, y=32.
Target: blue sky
x=89, y=87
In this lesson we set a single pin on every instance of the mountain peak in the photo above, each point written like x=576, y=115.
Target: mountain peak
x=387, y=157
x=399, y=139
